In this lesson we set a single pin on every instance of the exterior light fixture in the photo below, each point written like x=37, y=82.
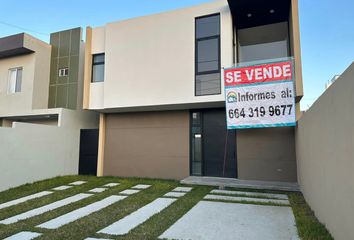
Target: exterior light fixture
x=249, y=15
x=271, y=11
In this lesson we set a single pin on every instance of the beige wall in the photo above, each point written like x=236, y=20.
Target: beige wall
x=325, y=155
x=161, y=140
x=32, y=152
x=294, y=32
x=35, y=79
x=22, y=101
x=41, y=71
x=150, y=59
x=266, y=154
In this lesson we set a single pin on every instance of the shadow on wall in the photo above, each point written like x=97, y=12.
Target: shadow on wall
x=32, y=152
x=325, y=156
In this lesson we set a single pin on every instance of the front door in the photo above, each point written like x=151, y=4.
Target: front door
x=213, y=146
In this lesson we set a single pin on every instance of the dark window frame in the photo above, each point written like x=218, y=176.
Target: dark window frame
x=196, y=40
x=95, y=64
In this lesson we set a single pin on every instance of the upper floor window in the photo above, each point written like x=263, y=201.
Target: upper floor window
x=207, y=59
x=63, y=72
x=15, y=80
x=98, y=67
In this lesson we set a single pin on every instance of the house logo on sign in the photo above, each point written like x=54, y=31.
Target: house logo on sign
x=231, y=97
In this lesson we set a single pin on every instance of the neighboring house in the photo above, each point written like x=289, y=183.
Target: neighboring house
x=156, y=81
x=24, y=74
x=41, y=116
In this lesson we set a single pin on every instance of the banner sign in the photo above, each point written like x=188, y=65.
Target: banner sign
x=259, y=96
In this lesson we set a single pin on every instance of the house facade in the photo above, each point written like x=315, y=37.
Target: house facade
x=157, y=82
x=41, y=116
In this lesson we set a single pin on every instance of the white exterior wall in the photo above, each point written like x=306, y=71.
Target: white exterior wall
x=150, y=60
x=32, y=152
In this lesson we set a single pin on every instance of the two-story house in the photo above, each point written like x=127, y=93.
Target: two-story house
x=157, y=82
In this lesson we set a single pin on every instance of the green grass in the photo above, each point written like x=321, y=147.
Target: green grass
x=308, y=226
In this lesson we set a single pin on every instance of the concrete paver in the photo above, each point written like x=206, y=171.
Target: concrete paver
x=182, y=189
x=61, y=188
x=23, y=236
x=46, y=208
x=175, y=194
x=97, y=190
x=81, y=212
x=233, y=221
x=77, y=183
x=129, y=191
x=111, y=185
x=136, y=218
x=24, y=199
x=141, y=186
x=251, y=194
x=246, y=199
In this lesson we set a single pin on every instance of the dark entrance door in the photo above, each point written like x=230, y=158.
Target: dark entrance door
x=210, y=140
x=88, y=152
x=216, y=136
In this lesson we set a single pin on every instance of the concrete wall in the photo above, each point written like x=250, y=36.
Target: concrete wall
x=325, y=155
x=161, y=140
x=266, y=154
x=31, y=152
x=150, y=60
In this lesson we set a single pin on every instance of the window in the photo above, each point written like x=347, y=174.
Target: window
x=196, y=151
x=98, y=68
x=63, y=72
x=263, y=42
x=15, y=80
x=207, y=59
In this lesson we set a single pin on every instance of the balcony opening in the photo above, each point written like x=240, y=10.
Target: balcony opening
x=261, y=29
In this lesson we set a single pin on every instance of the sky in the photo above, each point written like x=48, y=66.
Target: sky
x=326, y=28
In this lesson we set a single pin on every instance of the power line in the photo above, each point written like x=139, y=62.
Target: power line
x=23, y=29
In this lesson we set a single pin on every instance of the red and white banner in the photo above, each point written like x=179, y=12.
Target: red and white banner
x=269, y=72
x=259, y=96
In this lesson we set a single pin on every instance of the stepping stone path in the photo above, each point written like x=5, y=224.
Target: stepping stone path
x=24, y=236
x=141, y=215
x=97, y=190
x=46, y=208
x=61, y=188
x=136, y=218
x=81, y=212
x=97, y=239
x=111, y=185
x=24, y=199
x=129, y=192
x=141, y=186
x=38, y=195
x=252, y=194
x=182, y=189
x=77, y=183
x=246, y=199
x=175, y=194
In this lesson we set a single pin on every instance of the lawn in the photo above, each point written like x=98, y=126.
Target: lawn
x=308, y=226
